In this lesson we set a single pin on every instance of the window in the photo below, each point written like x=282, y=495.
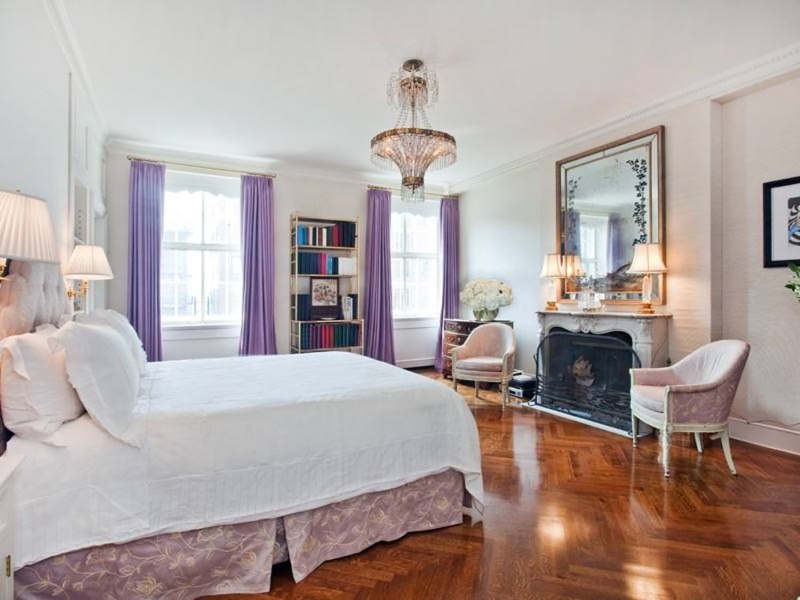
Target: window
x=201, y=261
x=594, y=243
x=415, y=259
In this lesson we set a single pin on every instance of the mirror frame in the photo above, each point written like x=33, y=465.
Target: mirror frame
x=658, y=132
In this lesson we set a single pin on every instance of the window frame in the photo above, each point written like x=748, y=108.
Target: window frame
x=191, y=181
x=434, y=205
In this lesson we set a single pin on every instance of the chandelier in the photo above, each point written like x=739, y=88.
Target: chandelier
x=412, y=147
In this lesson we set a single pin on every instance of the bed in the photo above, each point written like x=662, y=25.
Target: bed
x=243, y=462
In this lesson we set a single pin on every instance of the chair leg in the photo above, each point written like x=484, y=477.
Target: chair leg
x=477, y=388
x=698, y=441
x=635, y=430
x=665, y=443
x=726, y=448
x=455, y=383
x=504, y=387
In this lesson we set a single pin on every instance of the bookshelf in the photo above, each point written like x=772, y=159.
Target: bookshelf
x=325, y=256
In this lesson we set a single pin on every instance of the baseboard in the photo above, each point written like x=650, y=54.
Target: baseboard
x=764, y=434
x=414, y=363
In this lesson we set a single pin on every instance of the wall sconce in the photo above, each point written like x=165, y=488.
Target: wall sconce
x=87, y=263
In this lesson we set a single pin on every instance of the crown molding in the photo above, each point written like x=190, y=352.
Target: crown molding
x=57, y=13
x=717, y=88
x=122, y=146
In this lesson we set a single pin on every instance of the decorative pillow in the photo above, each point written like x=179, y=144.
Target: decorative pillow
x=36, y=394
x=123, y=327
x=103, y=371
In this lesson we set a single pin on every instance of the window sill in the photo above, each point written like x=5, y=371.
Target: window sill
x=415, y=322
x=197, y=332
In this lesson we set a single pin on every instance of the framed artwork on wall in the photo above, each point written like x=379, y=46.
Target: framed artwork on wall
x=324, y=297
x=782, y=222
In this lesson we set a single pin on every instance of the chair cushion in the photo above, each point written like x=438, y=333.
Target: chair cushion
x=650, y=397
x=488, y=364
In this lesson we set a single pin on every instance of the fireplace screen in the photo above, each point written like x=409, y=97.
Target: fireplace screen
x=587, y=376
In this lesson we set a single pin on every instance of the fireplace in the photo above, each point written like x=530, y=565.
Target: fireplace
x=607, y=406
x=586, y=376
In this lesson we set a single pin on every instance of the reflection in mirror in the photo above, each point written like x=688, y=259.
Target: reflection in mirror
x=609, y=200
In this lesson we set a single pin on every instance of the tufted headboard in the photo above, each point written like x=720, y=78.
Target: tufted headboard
x=33, y=294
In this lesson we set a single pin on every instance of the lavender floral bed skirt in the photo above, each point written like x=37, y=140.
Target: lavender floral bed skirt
x=239, y=558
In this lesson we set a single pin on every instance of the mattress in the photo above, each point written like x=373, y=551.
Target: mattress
x=239, y=439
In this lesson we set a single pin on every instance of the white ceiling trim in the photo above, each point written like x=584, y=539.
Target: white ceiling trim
x=770, y=66
x=120, y=146
x=57, y=13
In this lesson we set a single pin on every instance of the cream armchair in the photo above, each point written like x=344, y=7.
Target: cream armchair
x=487, y=355
x=693, y=395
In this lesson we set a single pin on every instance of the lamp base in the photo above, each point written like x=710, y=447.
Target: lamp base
x=551, y=305
x=646, y=308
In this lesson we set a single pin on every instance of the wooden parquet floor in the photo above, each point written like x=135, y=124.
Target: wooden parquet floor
x=574, y=512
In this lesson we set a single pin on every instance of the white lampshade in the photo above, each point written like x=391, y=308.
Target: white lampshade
x=88, y=262
x=553, y=266
x=647, y=259
x=26, y=231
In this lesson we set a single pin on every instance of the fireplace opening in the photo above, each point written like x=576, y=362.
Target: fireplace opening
x=586, y=375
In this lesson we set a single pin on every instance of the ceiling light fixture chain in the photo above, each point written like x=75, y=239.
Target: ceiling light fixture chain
x=413, y=147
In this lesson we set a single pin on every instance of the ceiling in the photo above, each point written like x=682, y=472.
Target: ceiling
x=304, y=82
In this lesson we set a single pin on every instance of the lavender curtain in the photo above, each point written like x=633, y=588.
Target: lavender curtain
x=616, y=244
x=573, y=233
x=378, y=326
x=145, y=222
x=448, y=246
x=258, y=267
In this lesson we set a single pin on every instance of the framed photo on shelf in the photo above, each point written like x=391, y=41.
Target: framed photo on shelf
x=324, y=298
x=782, y=222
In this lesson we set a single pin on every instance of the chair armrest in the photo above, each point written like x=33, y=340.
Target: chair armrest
x=461, y=352
x=662, y=376
x=508, y=363
x=458, y=353
x=694, y=388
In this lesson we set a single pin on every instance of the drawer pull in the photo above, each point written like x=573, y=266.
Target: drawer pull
x=8, y=565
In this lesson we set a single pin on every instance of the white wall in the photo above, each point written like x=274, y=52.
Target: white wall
x=34, y=111
x=717, y=157
x=504, y=234
x=326, y=197
x=760, y=142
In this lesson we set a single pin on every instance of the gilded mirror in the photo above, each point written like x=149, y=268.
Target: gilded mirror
x=608, y=200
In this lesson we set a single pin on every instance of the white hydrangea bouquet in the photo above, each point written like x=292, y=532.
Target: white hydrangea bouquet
x=485, y=297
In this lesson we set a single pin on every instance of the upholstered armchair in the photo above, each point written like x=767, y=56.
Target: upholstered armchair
x=693, y=395
x=487, y=355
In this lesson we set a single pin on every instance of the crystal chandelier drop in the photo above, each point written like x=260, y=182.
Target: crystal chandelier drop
x=412, y=147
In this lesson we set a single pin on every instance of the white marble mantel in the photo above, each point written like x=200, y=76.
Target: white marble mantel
x=649, y=333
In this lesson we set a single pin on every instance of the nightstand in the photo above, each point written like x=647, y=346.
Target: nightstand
x=8, y=467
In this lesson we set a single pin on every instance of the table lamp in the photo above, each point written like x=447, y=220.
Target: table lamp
x=552, y=269
x=26, y=231
x=87, y=263
x=646, y=261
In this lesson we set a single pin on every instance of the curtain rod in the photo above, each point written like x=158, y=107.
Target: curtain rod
x=193, y=166
x=398, y=190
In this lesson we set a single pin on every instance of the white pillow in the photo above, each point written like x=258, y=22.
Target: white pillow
x=35, y=393
x=103, y=371
x=123, y=327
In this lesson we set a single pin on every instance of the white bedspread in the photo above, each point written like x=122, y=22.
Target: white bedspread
x=239, y=439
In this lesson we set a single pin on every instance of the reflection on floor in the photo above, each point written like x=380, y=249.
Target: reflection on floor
x=573, y=512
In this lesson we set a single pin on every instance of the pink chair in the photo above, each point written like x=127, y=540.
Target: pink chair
x=693, y=395
x=487, y=355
